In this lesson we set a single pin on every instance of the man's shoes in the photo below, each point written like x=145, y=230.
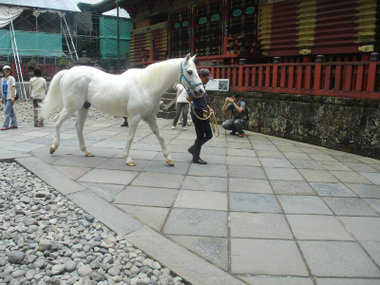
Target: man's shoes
x=173, y=127
x=184, y=129
x=13, y=127
x=241, y=135
x=4, y=129
x=199, y=161
x=125, y=124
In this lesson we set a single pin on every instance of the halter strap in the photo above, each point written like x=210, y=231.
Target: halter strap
x=182, y=75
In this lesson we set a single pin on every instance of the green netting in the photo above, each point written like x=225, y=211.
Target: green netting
x=108, y=37
x=31, y=44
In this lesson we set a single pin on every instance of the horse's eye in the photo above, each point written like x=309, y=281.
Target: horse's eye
x=190, y=72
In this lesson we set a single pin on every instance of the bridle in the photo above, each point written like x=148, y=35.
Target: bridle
x=182, y=75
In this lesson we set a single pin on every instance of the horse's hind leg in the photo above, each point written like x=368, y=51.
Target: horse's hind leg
x=82, y=116
x=152, y=121
x=59, y=119
x=133, y=123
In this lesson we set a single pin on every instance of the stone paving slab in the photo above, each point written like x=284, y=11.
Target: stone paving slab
x=264, y=210
x=266, y=256
x=178, y=259
x=338, y=258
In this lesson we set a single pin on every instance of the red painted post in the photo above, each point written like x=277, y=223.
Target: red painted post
x=372, y=72
x=254, y=76
x=267, y=76
x=307, y=77
x=283, y=76
x=338, y=77
x=261, y=76
x=247, y=76
x=240, y=76
x=359, y=78
x=228, y=75
x=274, y=76
x=299, y=78
x=242, y=62
x=290, y=83
x=234, y=77
x=276, y=61
x=225, y=43
x=318, y=72
x=327, y=83
x=347, y=77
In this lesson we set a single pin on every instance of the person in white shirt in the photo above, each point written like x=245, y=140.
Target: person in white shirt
x=37, y=90
x=182, y=106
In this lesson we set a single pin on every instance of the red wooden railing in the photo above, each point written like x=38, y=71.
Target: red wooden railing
x=335, y=79
x=47, y=69
x=359, y=79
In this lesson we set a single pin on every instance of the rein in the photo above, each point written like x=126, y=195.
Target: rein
x=211, y=116
x=182, y=75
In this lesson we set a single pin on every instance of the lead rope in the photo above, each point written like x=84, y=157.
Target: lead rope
x=211, y=116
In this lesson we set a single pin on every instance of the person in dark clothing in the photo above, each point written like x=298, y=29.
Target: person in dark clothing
x=199, y=112
x=238, y=112
x=125, y=123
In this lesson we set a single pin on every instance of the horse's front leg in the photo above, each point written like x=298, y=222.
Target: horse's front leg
x=133, y=123
x=152, y=121
x=82, y=115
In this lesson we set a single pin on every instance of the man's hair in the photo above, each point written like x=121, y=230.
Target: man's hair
x=38, y=72
x=236, y=95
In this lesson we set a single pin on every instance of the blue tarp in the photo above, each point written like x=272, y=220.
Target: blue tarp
x=32, y=44
x=108, y=37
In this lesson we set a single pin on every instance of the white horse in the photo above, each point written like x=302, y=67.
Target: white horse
x=134, y=94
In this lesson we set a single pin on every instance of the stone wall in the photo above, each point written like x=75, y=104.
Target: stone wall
x=350, y=125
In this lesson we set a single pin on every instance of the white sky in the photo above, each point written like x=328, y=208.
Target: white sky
x=64, y=5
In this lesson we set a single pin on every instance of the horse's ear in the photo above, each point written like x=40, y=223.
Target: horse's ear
x=193, y=58
x=187, y=57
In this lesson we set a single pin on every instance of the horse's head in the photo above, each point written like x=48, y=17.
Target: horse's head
x=189, y=76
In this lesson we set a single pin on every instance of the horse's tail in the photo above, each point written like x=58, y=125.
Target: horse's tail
x=53, y=97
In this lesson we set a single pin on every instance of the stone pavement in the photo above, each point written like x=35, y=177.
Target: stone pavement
x=265, y=210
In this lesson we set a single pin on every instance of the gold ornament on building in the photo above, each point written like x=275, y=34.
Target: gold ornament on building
x=367, y=48
x=305, y=51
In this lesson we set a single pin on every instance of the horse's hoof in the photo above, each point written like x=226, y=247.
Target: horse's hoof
x=130, y=163
x=170, y=162
x=90, y=154
x=52, y=150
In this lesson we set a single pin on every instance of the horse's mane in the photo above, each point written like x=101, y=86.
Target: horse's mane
x=157, y=75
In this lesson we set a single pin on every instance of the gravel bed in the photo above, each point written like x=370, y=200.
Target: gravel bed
x=46, y=239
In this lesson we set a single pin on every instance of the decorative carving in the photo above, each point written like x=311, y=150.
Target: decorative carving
x=305, y=51
x=367, y=48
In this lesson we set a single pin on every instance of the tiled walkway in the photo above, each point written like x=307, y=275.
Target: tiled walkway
x=264, y=210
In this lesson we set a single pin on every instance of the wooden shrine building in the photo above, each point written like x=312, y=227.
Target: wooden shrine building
x=322, y=47
x=257, y=30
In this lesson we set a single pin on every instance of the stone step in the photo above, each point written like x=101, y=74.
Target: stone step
x=167, y=108
x=166, y=114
